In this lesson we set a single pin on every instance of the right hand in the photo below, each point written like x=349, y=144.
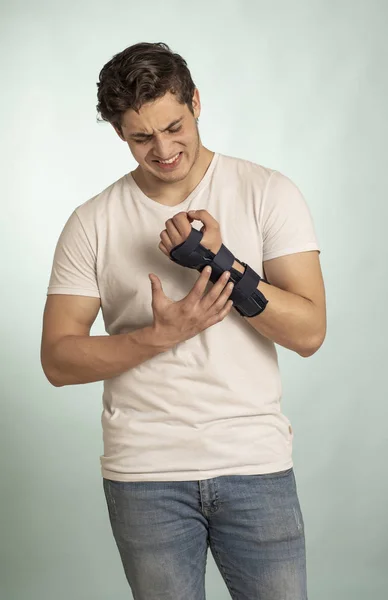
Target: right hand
x=178, y=321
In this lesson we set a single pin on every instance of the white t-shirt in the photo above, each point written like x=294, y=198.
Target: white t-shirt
x=209, y=406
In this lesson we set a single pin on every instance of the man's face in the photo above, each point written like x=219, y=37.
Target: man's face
x=162, y=130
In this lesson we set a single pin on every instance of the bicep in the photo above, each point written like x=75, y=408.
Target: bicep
x=66, y=315
x=299, y=273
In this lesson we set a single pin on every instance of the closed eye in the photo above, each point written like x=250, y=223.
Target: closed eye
x=148, y=139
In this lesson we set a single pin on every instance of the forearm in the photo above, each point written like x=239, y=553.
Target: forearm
x=288, y=320
x=79, y=359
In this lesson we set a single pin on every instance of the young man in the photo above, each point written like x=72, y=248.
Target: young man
x=197, y=452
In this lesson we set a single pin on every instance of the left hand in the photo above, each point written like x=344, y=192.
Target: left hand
x=179, y=227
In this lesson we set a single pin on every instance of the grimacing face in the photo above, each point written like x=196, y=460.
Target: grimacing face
x=160, y=131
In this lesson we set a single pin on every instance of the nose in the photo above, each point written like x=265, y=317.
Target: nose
x=163, y=150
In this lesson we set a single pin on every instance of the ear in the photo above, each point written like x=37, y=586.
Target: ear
x=196, y=103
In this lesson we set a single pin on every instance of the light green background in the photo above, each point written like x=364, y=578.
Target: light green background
x=297, y=86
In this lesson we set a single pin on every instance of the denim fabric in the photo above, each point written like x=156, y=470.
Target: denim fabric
x=253, y=525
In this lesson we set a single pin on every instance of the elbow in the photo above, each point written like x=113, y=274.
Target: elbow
x=306, y=353
x=51, y=378
x=49, y=371
x=312, y=345
x=55, y=383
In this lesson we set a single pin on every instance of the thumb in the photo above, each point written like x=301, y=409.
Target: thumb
x=156, y=284
x=202, y=215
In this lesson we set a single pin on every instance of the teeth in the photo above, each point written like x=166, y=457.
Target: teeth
x=168, y=162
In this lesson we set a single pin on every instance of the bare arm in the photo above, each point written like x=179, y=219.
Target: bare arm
x=69, y=355
x=295, y=316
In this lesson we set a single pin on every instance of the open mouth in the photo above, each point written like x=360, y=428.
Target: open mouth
x=170, y=164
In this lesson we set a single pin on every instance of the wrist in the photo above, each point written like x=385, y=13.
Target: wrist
x=236, y=265
x=154, y=338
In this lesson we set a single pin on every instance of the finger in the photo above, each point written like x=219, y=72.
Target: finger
x=199, y=287
x=221, y=301
x=218, y=295
x=164, y=249
x=220, y=284
x=165, y=240
x=220, y=316
x=204, y=216
x=173, y=233
x=182, y=224
x=210, y=298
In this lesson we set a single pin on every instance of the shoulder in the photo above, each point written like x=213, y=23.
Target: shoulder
x=248, y=171
x=97, y=205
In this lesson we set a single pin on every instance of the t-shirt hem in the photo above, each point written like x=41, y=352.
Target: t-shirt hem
x=198, y=475
x=73, y=291
x=285, y=251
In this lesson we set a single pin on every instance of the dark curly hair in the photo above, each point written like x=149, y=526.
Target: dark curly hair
x=141, y=73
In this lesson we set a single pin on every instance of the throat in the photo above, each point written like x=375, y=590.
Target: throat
x=167, y=199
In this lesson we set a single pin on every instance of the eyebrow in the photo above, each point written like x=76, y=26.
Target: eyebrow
x=141, y=134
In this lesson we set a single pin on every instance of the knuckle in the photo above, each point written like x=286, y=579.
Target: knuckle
x=185, y=308
x=197, y=290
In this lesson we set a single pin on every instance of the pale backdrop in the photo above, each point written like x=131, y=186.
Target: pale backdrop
x=300, y=87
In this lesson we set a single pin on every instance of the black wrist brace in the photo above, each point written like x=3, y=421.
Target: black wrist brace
x=247, y=299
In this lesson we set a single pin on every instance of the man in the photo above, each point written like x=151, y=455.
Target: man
x=197, y=452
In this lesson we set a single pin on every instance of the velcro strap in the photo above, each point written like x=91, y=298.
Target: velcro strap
x=246, y=286
x=192, y=254
x=247, y=299
x=223, y=260
x=184, y=254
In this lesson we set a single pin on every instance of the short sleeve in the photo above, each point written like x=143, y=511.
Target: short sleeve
x=287, y=223
x=74, y=264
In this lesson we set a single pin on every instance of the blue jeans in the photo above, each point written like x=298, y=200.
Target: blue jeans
x=253, y=525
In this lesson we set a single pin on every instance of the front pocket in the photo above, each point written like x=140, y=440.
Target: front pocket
x=275, y=475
